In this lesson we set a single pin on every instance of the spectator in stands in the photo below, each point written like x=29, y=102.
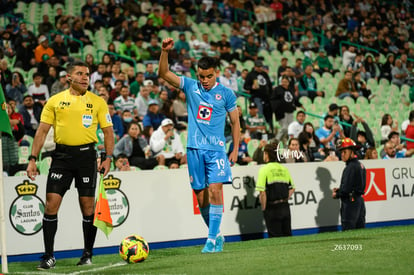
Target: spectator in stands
x=387, y=126
x=166, y=144
x=330, y=132
x=87, y=21
x=386, y=68
x=333, y=110
x=250, y=49
x=296, y=127
x=348, y=56
x=391, y=152
x=167, y=109
x=361, y=87
x=7, y=46
x=293, y=154
x=43, y=52
x=149, y=30
x=225, y=49
x=371, y=153
x=370, y=67
x=259, y=86
x=308, y=85
x=153, y=117
x=298, y=69
x=135, y=148
x=305, y=140
x=97, y=75
x=135, y=86
x=6, y=75
x=154, y=49
x=323, y=63
x=345, y=116
x=125, y=102
x=241, y=80
x=167, y=19
x=25, y=44
x=409, y=131
x=308, y=42
x=282, y=67
x=30, y=111
x=16, y=89
x=243, y=157
x=79, y=34
x=149, y=73
x=37, y=90
x=227, y=80
x=181, y=43
x=116, y=121
x=142, y=100
x=129, y=49
x=121, y=163
x=106, y=82
x=258, y=153
x=90, y=61
x=180, y=107
x=236, y=42
x=255, y=122
x=45, y=26
x=346, y=87
x=60, y=84
x=284, y=102
x=399, y=74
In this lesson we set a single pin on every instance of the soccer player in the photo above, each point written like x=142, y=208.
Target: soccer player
x=208, y=166
x=74, y=114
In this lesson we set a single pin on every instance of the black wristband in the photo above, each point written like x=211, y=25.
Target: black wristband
x=32, y=157
x=109, y=157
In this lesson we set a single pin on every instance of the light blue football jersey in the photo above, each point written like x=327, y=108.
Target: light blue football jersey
x=207, y=114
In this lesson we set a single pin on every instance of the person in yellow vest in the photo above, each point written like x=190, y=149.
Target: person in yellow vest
x=74, y=114
x=276, y=187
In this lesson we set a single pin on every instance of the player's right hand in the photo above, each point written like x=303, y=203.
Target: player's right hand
x=167, y=44
x=31, y=170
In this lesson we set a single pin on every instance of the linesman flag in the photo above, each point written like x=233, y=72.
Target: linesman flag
x=103, y=219
x=4, y=117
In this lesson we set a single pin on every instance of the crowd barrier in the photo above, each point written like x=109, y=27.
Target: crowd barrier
x=160, y=206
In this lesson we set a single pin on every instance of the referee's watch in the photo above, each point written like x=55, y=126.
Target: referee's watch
x=32, y=157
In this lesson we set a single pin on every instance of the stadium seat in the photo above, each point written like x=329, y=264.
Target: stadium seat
x=183, y=166
x=44, y=165
x=252, y=146
x=135, y=168
x=160, y=167
x=20, y=173
x=23, y=153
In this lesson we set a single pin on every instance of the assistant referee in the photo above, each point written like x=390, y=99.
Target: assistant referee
x=276, y=187
x=74, y=114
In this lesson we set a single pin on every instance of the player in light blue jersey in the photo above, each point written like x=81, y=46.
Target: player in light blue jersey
x=208, y=102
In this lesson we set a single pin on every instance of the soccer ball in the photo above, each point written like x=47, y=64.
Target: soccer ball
x=133, y=249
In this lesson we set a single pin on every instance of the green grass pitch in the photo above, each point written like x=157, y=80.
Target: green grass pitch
x=369, y=251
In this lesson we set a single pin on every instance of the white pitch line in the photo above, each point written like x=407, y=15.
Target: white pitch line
x=73, y=273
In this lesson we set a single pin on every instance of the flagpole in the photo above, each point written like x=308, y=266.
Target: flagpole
x=4, y=264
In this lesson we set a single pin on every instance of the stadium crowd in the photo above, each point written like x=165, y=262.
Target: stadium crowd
x=145, y=109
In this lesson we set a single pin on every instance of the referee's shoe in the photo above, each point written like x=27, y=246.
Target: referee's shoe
x=47, y=262
x=86, y=258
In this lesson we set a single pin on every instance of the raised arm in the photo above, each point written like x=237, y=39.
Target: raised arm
x=163, y=70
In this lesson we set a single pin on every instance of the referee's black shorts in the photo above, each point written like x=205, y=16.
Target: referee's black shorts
x=73, y=162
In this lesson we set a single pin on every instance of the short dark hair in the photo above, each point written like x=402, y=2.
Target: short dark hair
x=208, y=62
x=71, y=66
x=392, y=134
x=271, y=149
x=411, y=115
x=36, y=74
x=327, y=117
x=300, y=112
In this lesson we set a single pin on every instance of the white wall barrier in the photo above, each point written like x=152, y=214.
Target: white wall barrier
x=160, y=205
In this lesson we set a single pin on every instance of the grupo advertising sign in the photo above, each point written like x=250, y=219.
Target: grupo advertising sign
x=161, y=207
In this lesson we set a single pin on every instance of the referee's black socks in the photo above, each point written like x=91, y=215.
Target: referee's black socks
x=89, y=232
x=49, y=232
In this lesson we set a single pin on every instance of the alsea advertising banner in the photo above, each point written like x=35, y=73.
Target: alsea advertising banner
x=161, y=207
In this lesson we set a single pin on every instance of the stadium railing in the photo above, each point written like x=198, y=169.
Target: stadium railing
x=20, y=20
x=357, y=46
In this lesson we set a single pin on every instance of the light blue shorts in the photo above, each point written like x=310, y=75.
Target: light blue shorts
x=206, y=167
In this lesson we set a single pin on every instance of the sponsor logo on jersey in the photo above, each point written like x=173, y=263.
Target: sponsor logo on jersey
x=218, y=97
x=204, y=113
x=108, y=118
